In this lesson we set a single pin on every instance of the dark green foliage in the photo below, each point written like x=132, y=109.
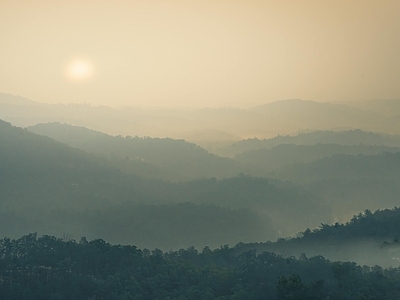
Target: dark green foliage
x=292, y=288
x=168, y=226
x=368, y=238
x=51, y=268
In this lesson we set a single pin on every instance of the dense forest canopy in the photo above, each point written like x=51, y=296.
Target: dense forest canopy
x=46, y=267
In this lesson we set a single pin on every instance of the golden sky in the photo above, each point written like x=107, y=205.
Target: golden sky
x=199, y=53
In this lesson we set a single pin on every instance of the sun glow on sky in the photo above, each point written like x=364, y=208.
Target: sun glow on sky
x=79, y=70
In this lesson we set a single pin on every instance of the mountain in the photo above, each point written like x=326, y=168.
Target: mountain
x=47, y=267
x=289, y=207
x=344, y=183
x=314, y=115
x=384, y=166
x=350, y=183
x=288, y=154
x=52, y=188
x=10, y=100
x=49, y=187
x=227, y=124
x=166, y=158
x=346, y=138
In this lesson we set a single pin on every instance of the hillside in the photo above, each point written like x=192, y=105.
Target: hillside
x=52, y=188
x=288, y=154
x=166, y=158
x=289, y=207
x=350, y=183
x=368, y=238
x=47, y=267
x=346, y=138
x=384, y=166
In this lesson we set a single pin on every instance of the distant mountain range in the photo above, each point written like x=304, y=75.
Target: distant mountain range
x=211, y=128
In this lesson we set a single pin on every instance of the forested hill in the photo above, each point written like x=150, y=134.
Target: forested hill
x=289, y=207
x=38, y=171
x=350, y=183
x=349, y=138
x=368, y=238
x=50, y=268
x=49, y=187
x=288, y=154
x=52, y=188
x=165, y=158
x=384, y=166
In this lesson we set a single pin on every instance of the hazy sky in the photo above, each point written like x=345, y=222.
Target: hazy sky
x=199, y=53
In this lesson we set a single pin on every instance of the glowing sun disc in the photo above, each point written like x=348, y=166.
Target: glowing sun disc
x=79, y=70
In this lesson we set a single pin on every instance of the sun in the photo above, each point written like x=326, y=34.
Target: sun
x=79, y=69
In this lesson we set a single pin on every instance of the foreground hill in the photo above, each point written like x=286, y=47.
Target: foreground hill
x=51, y=268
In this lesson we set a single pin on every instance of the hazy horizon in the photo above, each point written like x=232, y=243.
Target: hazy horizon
x=199, y=54
x=242, y=105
